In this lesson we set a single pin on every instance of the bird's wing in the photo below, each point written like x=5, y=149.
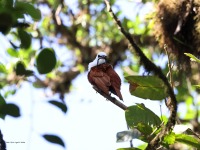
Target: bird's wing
x=99, y=79
x=115, y=81
x=114, y=77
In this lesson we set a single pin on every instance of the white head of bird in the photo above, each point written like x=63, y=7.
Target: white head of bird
x=100, y=59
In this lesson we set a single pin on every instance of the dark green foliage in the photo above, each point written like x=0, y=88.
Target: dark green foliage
x=9, y=109
x=142, y=118
x=60, y=105
x=46, y=60
x=2, y=100
x=25, y=39
x=6, y=21
x=54, y=139
x=27, y=8
x=21, y=70
x=11, y=11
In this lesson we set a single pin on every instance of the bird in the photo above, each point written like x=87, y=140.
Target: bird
x=102, y=75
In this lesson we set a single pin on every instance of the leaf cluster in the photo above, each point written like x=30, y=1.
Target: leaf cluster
x=145, y=124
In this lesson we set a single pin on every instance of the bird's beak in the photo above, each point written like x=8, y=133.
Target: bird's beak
x=103, y=57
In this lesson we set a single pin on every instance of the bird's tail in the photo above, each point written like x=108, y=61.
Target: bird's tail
x=118, y=93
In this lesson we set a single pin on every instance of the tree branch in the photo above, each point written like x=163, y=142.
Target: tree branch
x=151, y=67
x=110, y=98
x=2, y=142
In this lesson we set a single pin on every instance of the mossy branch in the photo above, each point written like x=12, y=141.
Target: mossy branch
x=151, y=67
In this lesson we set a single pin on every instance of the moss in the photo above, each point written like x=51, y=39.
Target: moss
x=177, y=24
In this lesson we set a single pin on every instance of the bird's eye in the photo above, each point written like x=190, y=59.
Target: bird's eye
x=99, y=56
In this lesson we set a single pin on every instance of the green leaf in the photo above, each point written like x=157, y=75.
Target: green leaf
x=169, y=138
x=12, y=52
x=144, y=128
x=188, y=140
x=60, y=105
x=9, y=92
x=54, y=3
x=140, y=114
x=2, y=100
x=192, y=57
x=147, y=87
x=46, y=61
x=29, y=73
x=6, y=22
x=128, y=135
x=29, y=9
x=3, y=68
x=9, y=4
x=25, y=39
x=143, y=146
x=54, y=139
x=197, y=86
x=189, y=131
x=9, y=109
x=20, y=68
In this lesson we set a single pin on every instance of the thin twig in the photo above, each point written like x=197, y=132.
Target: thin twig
x=110, y=98
x=161, y=113
x=151, y=67
x=157, y=128
x=58, y=10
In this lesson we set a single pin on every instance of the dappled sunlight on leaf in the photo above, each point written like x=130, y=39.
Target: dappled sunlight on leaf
x=140, y=114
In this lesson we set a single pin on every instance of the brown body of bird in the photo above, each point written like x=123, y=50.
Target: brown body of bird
x=103, y=76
